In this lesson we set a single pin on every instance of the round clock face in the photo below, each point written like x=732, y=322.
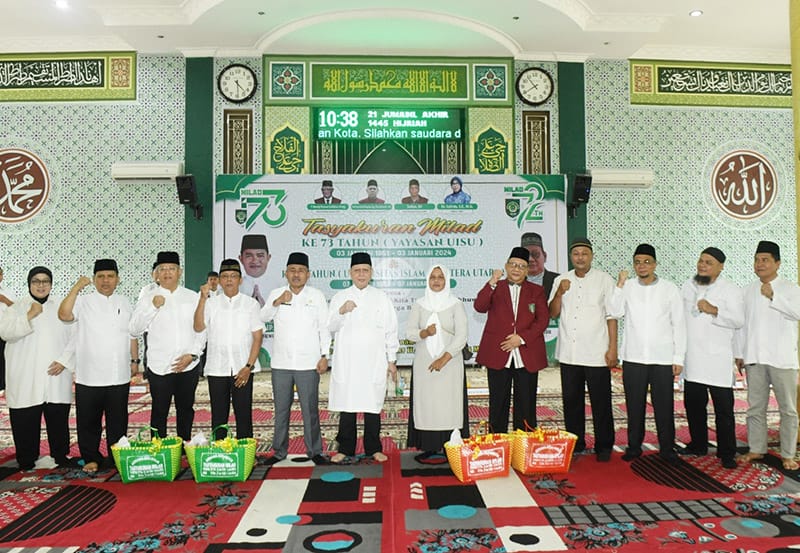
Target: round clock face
x=534, y=86
x=237, y=83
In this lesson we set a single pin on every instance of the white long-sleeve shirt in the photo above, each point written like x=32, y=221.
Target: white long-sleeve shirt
x=655, y=329
x=102, y=345
x=709, y=342
x=365, y=342
x=583, y=322
x=230, y=323
x=30, y=349
x=301, y=329
x=170, y=328
x=769, y=334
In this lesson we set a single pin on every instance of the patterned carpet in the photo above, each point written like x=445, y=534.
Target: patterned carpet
x=403, y=505
x=395, y=414
x=294, y=506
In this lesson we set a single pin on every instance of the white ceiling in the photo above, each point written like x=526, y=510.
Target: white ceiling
x=561, y=30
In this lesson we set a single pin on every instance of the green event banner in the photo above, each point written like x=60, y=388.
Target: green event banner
x=389, y=81
x=471, y=232
x=65, y=77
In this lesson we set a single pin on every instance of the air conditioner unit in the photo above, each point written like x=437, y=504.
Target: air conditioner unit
x=146, y=171
x=621, y=178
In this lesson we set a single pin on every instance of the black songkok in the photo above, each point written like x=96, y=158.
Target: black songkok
x=645, y=249
x=531, y=239
x=577, y=242
x=230, y=265
x=254, y=242
x=769, y=247
x=716, y=253
x=168, y=257
x=520, y=253
x=105, y=265
x=297, y=258
x=360, y=258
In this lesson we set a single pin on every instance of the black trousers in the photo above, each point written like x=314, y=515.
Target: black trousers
x=222, y=392
x=163, y=389
x=348, y=433
x=26, y=428
x=574, y=379
x=500, y=386
x=695, y=398
x=91, y=403
x=636, y=378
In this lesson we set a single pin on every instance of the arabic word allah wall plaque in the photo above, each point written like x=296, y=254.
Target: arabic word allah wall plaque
x=24, y=185
x=744, y=184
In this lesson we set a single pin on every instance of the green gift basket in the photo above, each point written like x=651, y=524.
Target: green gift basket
x=157, y=459
x=229, y=459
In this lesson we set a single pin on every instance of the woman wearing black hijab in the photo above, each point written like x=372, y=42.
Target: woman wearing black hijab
x=37, y=379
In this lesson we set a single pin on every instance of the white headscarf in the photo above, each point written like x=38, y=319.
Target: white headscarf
x=436, y=302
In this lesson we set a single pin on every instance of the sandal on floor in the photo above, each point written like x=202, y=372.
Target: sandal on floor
x=790, y=464
x=750, y=457
x=338, y=458
x=380, y=457
x=91, y=467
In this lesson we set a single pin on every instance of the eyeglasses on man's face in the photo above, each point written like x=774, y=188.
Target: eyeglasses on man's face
x=643, y=262
x=514, y=265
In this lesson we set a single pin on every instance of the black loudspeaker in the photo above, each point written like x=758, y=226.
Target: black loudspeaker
x=187, y=191
x=580, y=193
x=582, y=188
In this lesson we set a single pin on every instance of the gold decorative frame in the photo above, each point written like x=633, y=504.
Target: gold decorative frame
x=81, y=77
x=238, y=142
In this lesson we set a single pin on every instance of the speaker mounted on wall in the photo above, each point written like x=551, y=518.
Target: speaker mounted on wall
x=581, y=189
x=187, y=194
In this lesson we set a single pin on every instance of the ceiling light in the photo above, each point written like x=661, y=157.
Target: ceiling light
x=696, y=13
x=62, y=4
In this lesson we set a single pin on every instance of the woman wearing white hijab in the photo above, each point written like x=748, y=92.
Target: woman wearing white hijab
x=438, y=325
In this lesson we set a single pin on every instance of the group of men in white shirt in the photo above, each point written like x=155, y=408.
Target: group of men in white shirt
x=705, y=329
x=180, y=325
x=709, y=328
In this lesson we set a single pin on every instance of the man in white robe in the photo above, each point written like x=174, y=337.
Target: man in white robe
x=106, y=357
x=653, y=350
x=714, y=310
x=166, y=316
x=302, y=346
x=233, y=330
x=587, y=347
x=766, y=347
x=364, y=322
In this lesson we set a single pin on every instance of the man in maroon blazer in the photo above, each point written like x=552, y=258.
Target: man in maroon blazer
x=512, y=346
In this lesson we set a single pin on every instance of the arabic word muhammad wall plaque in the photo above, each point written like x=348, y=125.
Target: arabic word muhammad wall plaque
x=744, y=184
x=24, y=185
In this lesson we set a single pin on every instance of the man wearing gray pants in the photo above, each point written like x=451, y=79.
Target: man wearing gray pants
x=766, y=347
x=300, y=355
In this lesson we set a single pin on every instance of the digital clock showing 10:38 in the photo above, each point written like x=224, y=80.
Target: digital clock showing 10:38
x=388, y=123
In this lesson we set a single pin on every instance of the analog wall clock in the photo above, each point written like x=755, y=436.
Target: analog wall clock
x=237, y=83
x=534, y=86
